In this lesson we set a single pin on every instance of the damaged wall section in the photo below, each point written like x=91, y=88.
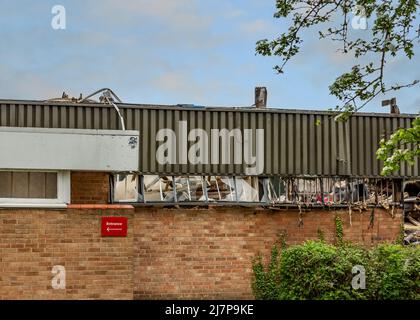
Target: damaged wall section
x=263, y=191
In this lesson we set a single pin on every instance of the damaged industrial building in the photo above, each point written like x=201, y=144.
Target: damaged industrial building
x=202, y=189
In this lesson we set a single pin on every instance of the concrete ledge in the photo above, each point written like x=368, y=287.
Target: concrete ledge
x=100, y=206
x=33, y=206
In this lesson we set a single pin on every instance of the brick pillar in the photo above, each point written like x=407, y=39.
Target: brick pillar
x=89, y=187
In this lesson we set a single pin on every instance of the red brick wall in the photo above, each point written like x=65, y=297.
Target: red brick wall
x=168, y=253
x=192, y=253
x=89, y=187
x=33, y=241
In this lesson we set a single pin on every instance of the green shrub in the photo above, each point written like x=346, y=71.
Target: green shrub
x=317, y=270
x=397, y=271
x=266, y=283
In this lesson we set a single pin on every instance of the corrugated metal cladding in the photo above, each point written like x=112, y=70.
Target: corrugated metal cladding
x=293, y=143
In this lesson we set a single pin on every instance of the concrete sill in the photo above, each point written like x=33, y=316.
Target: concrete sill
x=100, y=206
x=33, y=205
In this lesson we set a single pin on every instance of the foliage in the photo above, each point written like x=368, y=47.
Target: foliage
x=392, y=33
x=266, y=283
x=318, y=270
x=403, y=145
x=339, y=230
x=397, y=273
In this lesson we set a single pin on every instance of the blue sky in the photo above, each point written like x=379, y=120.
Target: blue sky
x=169, y=52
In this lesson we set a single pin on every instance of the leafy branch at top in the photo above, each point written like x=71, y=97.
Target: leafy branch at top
x=392, y=33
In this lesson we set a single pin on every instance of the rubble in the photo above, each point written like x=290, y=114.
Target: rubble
x=412, y=216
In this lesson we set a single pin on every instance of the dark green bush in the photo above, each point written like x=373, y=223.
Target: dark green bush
x=317, y=270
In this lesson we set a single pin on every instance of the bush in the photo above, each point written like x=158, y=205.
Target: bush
x=317, y=270
x=396, y=271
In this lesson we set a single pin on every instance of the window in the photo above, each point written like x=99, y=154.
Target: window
x=267, y=191
x=271, y=190
x=154, y=188
x=174, y=189
x=247, y=189
x=190, y=188
x=221, y=188
x=126, y=188
x=34, y=189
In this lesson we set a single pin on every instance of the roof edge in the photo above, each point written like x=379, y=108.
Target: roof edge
x=205, y=108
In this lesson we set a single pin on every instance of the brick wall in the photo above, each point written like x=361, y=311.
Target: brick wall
x=89, y=187
x=193, y=253
x=168, y=253
x=33, y=241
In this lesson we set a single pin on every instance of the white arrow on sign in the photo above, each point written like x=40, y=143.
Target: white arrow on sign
x=113, y=229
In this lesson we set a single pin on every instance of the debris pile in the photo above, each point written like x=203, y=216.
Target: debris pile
x=412, y=220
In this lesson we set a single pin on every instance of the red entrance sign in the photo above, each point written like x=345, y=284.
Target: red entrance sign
x=114, y=227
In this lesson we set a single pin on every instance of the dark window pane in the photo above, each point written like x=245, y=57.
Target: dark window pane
x=20, y=185
x=5, y=184
x=28, y=185
x=36, y=185
x=51, y=185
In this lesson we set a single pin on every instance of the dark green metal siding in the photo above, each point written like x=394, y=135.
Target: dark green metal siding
x=366, y=132
x=293, y=143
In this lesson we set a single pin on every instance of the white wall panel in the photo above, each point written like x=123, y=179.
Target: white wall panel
x=68, y=149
